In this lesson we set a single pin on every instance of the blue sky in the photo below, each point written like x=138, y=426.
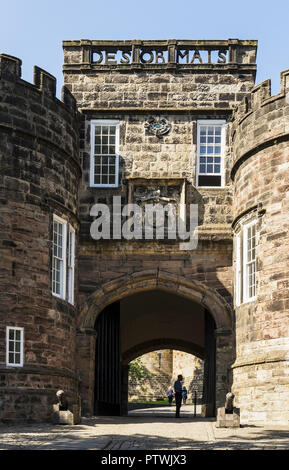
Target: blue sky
x=33, y=30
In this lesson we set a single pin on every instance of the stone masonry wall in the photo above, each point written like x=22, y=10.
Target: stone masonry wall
x=155, y=386
x=182, y=94
x=39, y=174
x=261, y=172
x=173, y=363
x=192, y=370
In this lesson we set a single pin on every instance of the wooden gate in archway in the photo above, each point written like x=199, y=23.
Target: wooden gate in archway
x=107, y=392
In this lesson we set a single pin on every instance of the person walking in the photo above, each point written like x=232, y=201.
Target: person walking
x=178, y=394
x=184, y=395
x=170, y=395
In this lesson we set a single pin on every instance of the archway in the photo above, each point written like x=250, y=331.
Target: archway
x=115, y=296
x=153, y=373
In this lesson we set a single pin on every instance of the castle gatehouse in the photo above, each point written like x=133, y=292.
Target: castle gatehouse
x=145, y=210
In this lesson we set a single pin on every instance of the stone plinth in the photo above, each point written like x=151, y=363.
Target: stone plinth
x=67, y=416
x=228, y=420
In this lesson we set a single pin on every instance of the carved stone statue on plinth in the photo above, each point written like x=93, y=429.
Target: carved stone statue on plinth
x=228, y=416
x=62, y=400
x=229, y=403
x=61, y=412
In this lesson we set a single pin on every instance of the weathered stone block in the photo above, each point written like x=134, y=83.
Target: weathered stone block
x=228, y=420
x=66, y=417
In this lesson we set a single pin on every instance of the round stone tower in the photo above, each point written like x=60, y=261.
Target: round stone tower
x=260, y=173
x=39, y=176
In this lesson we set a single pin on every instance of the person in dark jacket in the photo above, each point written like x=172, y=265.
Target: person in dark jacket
x=178, y=394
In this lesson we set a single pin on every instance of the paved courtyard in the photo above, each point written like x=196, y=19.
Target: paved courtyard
x=153, y=429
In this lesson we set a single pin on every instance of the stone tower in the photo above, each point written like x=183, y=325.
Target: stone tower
x=260, y=174
x=39, y=177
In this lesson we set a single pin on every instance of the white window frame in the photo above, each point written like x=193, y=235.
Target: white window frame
x=238, y=270
x=241, y=267
x=93, y=124
x=63, y=222
x=70, y=264
x=10, y=364
x=208, y=122
x=246, y=296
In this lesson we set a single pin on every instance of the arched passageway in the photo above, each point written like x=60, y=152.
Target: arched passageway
x=122, y=322
x=154, y=373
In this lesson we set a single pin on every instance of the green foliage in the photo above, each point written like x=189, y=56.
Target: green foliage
x=137, y=370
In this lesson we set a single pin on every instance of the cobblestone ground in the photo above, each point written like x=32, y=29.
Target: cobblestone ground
x=155, y=429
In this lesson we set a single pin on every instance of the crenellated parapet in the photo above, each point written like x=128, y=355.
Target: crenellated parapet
x=34, y=108
x=260, y=121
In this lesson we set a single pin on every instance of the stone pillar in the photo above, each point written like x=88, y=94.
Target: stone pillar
x=224, y=359
x=85, y=364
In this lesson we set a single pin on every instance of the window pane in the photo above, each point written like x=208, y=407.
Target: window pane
x=105, y=145
x=112, y=179
x=17, y=358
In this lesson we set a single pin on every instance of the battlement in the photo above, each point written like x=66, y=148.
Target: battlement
x=32, y=109
x=159, y=55
x=10, y=69
x=260, y=95
x=259, y=120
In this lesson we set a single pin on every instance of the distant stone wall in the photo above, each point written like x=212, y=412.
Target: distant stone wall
x=192, y=370
x=173, y=363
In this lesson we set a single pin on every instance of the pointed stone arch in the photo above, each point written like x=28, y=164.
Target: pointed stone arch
x=127, y=285
x=113, y=291
x=163, y=343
